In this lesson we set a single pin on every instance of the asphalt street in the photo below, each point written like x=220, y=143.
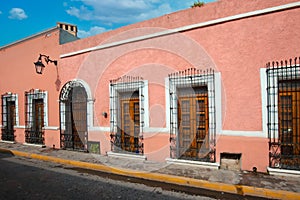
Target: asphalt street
x=23, y=178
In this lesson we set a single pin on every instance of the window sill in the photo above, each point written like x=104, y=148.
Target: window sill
x=35, y=145
x=55, y=128
x=9, y=142
x=19, y=127
x=283, y=172
x=124, y=155
x=193, y=163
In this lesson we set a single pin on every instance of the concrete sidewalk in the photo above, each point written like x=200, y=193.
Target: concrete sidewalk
x=234, y=182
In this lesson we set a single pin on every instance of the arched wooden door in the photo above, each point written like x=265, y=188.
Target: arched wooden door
x=73, y=117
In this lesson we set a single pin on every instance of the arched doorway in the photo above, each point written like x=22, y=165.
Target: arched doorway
x=73, y=117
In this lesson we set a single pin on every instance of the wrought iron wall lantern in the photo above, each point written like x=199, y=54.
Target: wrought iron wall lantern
x=39, y=65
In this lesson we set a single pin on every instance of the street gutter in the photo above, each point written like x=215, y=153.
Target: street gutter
x=171, y=179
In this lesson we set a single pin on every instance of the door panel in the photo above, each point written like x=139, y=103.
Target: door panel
x=74, y=136
x=38, y=121
x=8, y=130
x=193, y=126
x=130, y=124
x=289, y=124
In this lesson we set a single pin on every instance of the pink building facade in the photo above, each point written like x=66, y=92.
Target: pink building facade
x=191, y=87
x=29, y=100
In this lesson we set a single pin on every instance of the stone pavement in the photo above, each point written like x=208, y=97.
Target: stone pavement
x=260, y=184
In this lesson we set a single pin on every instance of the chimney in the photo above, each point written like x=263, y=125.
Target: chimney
x=68, y=27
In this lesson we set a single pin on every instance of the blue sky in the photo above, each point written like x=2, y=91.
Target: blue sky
x=22, y=18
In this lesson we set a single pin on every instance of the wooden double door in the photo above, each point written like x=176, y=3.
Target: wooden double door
x=289, y=122
x=193, y=122
x=74, y=137
x=9, y=120
x=130, y=123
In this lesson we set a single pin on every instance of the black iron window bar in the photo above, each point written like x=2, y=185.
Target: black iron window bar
x=8, y=116
x=192, y=115
x=283, y=90
x=34, y=116
x=127, y=115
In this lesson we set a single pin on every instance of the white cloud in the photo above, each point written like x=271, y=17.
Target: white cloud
x=17, y=13
x=81, y=13
x=93, y=31
x=125, y=11
x=112, y=13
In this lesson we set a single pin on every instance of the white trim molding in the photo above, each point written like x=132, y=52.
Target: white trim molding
x=259, y=134
x=264, y=100
x=8, y=142
x=281, y=75
x=117, y=90
x=33, y=95
x=20, y=126
x=126, y=155
x=54, y=128
x=34, y=145
x=186, y=28
x=11, y=97
x=90, y=101
x=283, y=172
x=193, y=163
x=99, y=128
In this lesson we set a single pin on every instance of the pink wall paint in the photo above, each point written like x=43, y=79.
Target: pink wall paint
x=222, y=43
x=236, y=49
x=18, y=75
x=52, y=138
x=254, y=151
x=240, y=49
x=210, y=11
x=103, y=137
x=19, y=135
x=157, y=146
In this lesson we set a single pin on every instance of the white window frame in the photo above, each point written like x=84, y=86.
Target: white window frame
x=90, y=103
x=118, y=89
x=284, y=72
x=217, y=103
x=36, y=95
x=15, y=98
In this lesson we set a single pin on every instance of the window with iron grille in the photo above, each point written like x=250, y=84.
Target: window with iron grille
x=192, y=115
x=9, y=116
x=127, y=115
x=35, y=116
x=283, y=89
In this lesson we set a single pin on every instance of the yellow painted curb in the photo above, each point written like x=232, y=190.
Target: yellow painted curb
x=220, y=187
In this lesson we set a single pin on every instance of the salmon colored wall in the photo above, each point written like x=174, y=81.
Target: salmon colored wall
x=19, y=135
x=18, y=75
x=52, y=137
x=240, y=49
x=210, y=11
x=145, y=68
x=255, y=151
x=103, y=137
x=237, y=49
x=157, y=146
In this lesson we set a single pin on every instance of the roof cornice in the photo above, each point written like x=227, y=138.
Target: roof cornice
x=188, y=27
x=29, y=37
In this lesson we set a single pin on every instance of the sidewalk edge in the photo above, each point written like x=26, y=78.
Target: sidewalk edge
x=220, y=187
